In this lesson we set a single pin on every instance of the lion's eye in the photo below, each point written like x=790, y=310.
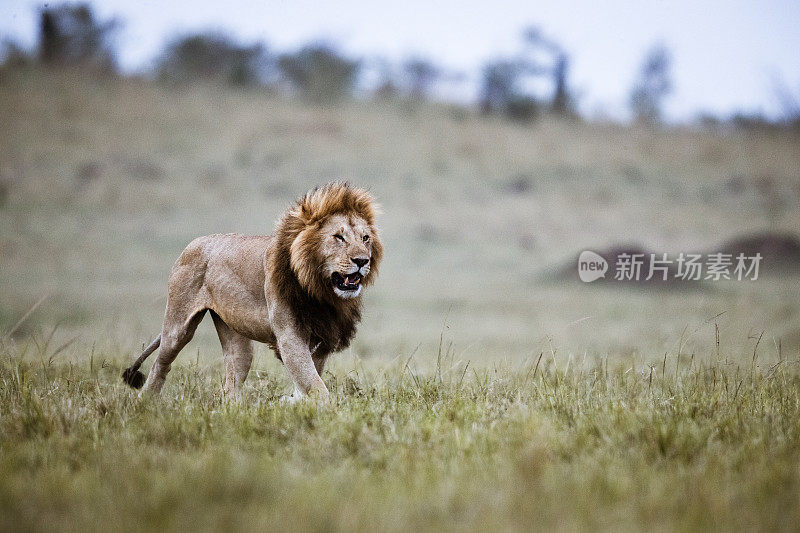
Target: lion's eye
x=339, y=237
x=365, y=238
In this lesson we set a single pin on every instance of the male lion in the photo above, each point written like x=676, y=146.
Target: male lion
x=297, y=290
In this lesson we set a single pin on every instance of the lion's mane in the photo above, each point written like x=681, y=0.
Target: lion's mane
x=294, y=265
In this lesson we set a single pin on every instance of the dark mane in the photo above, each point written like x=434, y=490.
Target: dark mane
x=331, y=323
x=322, y=317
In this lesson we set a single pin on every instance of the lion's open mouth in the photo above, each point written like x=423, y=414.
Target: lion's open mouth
x=347, y=282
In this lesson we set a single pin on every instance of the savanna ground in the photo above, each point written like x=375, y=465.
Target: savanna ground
x=481, y=391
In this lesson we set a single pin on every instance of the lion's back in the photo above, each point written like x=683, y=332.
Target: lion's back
x=219, y=253
x=220, y=245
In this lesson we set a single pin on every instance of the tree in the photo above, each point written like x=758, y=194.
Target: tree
x=501, y=91
x=70, y=35
x=499, y=85
x=212, y=57
x=546, y=57
x=653, y=85
x=503, y=80
x=319, y=72
x=562, y=96
x=420, y=76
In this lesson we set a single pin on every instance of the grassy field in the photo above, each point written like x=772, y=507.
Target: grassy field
x=513, y=447
x=482, y=390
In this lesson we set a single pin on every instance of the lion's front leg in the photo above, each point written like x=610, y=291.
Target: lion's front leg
x=319, y=355
x=300, y=365
x=319, y=362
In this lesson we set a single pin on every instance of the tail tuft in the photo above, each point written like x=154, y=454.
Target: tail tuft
x=133, y=377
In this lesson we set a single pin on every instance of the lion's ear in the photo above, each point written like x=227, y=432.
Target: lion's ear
x=300, y=212
x=300, y=216
x=306, y=211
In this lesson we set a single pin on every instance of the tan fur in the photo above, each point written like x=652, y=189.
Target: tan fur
x=275, y=289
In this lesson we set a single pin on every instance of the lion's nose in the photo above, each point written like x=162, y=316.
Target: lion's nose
x=360, y=261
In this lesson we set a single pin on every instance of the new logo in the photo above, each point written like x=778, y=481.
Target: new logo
x=591, y=266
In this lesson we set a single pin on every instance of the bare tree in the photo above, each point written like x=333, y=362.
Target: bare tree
x=546, y=57
x=562, y=96
x=653, y=85
x=503, y=80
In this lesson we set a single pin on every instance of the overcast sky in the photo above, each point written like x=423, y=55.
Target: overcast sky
x=727, y=54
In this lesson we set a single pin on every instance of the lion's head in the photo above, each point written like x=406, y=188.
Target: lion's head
x=333, y=244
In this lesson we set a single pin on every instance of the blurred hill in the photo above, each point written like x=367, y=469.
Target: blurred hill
x=104, y=180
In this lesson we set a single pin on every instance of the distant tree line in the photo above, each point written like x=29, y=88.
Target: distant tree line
x=69, y=36
x=211, y=58
x=521, y=87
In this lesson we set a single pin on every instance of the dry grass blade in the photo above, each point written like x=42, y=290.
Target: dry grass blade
x=25, y=317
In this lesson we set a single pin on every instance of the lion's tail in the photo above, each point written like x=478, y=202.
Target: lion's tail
x=132, y=376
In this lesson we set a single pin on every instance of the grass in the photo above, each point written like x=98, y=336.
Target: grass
x=103, y=182
x=548, y=444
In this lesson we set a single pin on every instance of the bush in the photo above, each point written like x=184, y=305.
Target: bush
x=212, y=57
x=72, y=36
x=319, y=73
x=522, y=109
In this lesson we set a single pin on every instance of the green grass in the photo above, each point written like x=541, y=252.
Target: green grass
x=546, y=444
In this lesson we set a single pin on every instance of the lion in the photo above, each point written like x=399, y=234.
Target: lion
x=297, y=290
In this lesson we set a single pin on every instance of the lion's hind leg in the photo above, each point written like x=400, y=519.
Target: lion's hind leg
x=238, y=353
x=176, y=333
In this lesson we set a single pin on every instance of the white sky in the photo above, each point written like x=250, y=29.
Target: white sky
x=726, y=54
